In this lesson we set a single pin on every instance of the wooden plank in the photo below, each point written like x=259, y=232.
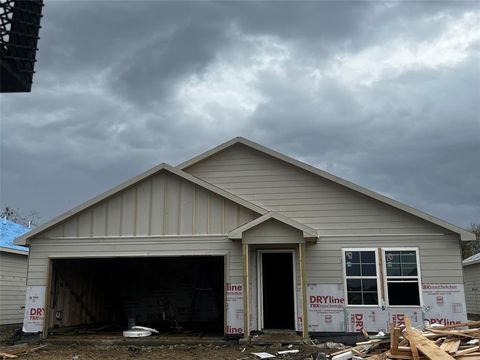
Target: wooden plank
x=471, y=333
x=453, y=348
x=427, y=347
x=394, y=337
x=473, y=356
x=468, y=323
x=468, y=351
x=408, y=329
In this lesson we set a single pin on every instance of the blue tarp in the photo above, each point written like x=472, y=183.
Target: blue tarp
x=9, y=231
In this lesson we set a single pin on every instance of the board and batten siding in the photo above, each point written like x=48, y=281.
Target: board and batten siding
x=163, y=215
x=440, y=257
x=163, y=204
x=13, y=279
x=310, y=199
x=471, y=275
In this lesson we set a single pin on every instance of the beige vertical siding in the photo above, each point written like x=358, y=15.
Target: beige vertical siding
x=163, y=204
x=13, y=275
x=472, y=288
x=440, y=259
x=305, y=197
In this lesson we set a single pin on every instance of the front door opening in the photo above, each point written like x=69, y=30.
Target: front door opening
x=278, y=290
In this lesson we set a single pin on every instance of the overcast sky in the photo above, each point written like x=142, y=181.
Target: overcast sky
x=383, y=94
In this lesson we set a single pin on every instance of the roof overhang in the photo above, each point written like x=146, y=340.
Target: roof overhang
x=13, y=251
x=308, y=233
x=472, y=260
x=24, y=239
x=464, y=234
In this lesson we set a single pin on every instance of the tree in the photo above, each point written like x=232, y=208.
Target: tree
x=470, y=248
x=20, y=218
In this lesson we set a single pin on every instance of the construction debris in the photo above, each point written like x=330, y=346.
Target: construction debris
x=263, y=355
x=452, y=342
x=24, y=350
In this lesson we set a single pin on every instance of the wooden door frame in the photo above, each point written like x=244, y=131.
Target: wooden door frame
x=260, y=284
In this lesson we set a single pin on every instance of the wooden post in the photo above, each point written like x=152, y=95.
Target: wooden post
x=381, y=275
x=48, y=288
x=395, y=333
x=303, y=288
x=246, y=286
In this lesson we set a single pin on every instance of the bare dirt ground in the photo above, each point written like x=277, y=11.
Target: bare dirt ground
x=190, y=351
x=184, y=352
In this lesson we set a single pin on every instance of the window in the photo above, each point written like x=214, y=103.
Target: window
x=361, y=277
x=402, y=277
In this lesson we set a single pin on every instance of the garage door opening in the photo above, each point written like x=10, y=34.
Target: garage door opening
x=170, y=294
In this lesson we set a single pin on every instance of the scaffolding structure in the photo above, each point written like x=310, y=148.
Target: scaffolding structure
x=19, y=28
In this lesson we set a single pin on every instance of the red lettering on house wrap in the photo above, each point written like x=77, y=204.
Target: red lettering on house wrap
x=325, y=299
x=233, y=330
x=443, y=321
x=357, y=320
x=398, y=319
x=37, y=311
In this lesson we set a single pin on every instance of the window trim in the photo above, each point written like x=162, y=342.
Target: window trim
x=344, y=272
x=419, y=275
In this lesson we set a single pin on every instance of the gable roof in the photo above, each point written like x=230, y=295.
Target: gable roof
x=474, y=259
x=22, y=240
x=464, y=235
x=308, y=232
x=9, y=231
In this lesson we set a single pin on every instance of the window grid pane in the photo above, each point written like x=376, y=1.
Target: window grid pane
x=402, y=277
x=361, y=276
x=401, y=263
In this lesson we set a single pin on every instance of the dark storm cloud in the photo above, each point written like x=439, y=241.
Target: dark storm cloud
x=382, y=93
x=151, y=72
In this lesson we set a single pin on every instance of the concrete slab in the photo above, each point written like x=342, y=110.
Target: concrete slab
x=146, y=341
x=270, y=337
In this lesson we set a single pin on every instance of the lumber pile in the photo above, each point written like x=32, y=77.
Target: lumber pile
x=452, y=342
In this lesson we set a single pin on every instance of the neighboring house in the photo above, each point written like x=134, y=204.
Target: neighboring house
x=471, y=275
x=13, y=273
x=244, y=238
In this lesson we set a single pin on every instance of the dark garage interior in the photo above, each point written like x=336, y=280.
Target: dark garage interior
x=170, y=294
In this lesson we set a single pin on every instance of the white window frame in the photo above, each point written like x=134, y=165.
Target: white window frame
x=419, y=275
x=344, y=271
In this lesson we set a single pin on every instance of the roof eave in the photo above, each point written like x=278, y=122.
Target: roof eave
x=13, y=251
x=307, y=232
x=471, y=263
x=464, y=235
x=24, y=239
